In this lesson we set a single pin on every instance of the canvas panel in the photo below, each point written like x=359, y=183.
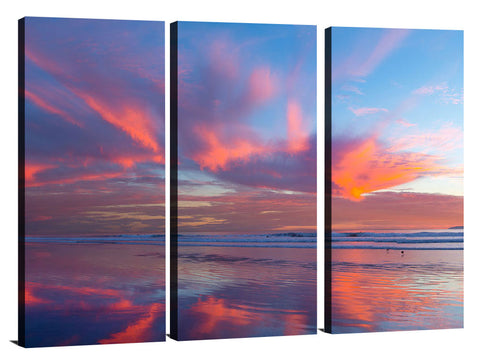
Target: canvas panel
x=243, y=173
x=91, y=203
x=394, y=179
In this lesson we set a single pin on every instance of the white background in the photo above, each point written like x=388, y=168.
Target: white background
x=439, y=14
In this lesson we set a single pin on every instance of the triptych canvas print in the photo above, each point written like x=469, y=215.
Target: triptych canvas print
x=243, y=180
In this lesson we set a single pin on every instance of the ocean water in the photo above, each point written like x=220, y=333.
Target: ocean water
x=246, y=285
x=397, y=281
x=94, y=290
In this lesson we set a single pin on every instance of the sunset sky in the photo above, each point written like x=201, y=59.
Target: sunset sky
x=247, y=128
x=94, y=110
x=397, y=129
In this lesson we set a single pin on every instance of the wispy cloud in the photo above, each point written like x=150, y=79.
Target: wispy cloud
x=405, y=123
x=353, y=89
x=445, y=94
x=366, y=111
x=390, y=41
x=49, y=107
x=365, y=59
x=261, y=209
x=427, y=90
x=437, y=141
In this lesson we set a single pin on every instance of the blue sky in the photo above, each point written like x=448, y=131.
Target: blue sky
x=397, y=113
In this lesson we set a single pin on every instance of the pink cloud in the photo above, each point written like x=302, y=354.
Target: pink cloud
x=445, y=94
x=33, y=182
x=297, y=135
x=42, y=218
x=443, y=140
x=31, y=299
x=351, y=88
x=429, y=90
x=424, y=90
x=366, y=111
x=37, y=100
x=405, y=123
x=43, y=61
x=222, y=145
x=31, y=171
x=262, y=85
x=451, y=96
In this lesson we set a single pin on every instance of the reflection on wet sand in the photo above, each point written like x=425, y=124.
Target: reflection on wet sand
x=244, y=292
x=94, y=293
x=376, y=290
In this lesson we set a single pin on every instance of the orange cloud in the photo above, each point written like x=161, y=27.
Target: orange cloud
x=368, y=166
x=129, y=161
x=218, y=152
x=129, y=118
x=220, y=149
x=86, y=177
x=126, y=161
